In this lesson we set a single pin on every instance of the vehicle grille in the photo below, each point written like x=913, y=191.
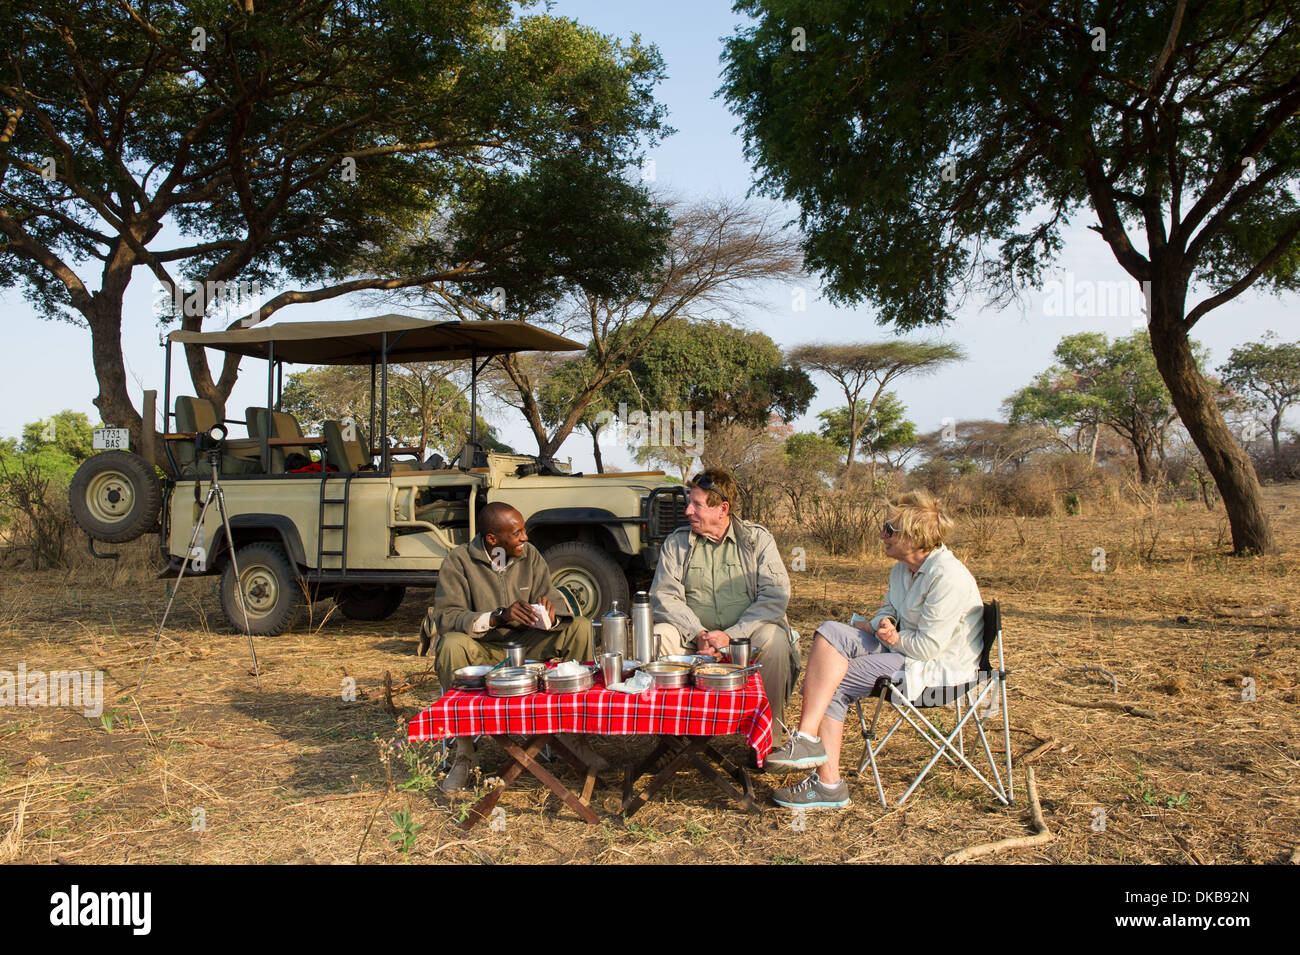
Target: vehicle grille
x=665, y=511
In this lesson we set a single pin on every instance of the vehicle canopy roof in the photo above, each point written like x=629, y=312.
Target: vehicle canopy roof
x=361, y=341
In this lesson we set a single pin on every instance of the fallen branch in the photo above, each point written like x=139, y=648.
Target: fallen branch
x=1114, y=683
x=1042, y=835
x=1275, y=610
x=1037, y=751
x=333, y=798
x=1128, y=708
x=1295, y=856
x=220, y=746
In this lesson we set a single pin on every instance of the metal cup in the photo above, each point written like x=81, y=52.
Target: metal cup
x=515, y=654
x=738, y=651
x=611, y=668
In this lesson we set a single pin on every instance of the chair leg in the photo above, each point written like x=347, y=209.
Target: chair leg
x=947, y=745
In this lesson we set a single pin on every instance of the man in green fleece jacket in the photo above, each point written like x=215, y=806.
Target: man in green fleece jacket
x=486, y=590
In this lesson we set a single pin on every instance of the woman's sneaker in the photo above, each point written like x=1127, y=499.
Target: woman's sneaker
x=799, y=752
x=812, y=793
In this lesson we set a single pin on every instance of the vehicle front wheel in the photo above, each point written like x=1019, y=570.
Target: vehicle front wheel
x=593, y=577
x=272, y=593
x=369, y=602
x=115, y=496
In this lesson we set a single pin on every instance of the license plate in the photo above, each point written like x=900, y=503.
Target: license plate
x=111, y=439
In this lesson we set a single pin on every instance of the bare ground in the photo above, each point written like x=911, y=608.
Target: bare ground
x=201, y=767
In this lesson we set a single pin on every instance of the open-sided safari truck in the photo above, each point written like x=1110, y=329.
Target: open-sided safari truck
x=335, y=515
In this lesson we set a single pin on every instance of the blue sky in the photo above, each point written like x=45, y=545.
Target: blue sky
x=51, y=367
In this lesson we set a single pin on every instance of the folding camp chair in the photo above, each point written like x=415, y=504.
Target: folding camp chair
x=978, y=693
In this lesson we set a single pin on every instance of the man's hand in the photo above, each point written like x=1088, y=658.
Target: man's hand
x=712, y=643
x=519, y=614
x=887, y=633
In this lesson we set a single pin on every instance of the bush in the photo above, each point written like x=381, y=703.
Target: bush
x=38, y=521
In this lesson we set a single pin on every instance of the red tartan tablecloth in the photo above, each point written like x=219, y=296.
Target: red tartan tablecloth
x=657, y=711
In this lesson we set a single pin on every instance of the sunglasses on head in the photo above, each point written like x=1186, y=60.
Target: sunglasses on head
x=890, y=529
x=705, y=483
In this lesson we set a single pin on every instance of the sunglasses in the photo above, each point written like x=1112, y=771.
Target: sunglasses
x=705, y=483
x=890, y=529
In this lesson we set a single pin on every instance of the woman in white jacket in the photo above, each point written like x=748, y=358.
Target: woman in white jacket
x=928, y=633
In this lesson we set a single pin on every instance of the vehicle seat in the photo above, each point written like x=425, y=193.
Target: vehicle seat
x=283, y=425
x=241, y=456
x=344, y=456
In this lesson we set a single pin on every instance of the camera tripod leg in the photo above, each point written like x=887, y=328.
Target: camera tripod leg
x=189, y=552
x=239, y=584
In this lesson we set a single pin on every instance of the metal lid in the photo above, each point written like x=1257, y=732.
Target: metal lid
x=641, y=597
x=511, y=677
x=614, y=612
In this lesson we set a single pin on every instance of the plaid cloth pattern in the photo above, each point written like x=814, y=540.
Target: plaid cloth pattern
x=658, y=711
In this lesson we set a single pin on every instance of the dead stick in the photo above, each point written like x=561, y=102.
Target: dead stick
x=1037, y=751
x=1295, y=856
x=1128, y=708
x=368, y=825
x=1042, y=835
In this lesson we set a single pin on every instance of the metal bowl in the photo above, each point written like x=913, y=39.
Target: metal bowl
x=575, y=683
x=470, y=678
x=686, y=659
x=511, y=681
x=668, y=674
x=724, y=677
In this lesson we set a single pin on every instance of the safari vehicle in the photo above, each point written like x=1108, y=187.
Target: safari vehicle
x=361, y=522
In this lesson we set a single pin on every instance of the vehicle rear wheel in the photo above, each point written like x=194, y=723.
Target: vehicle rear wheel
x=593, y=577
x=375, y=602
x=115, y=496
x=272, y=592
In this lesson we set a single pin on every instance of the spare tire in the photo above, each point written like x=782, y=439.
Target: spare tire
x=115, y=496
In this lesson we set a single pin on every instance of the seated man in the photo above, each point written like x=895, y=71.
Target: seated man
x=723, y=578
x=929, y=632
x=483, y=599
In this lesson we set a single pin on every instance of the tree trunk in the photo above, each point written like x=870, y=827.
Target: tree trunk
x=1143, y=462
x=113, y=401
x=595, y=449
x=1194, y=398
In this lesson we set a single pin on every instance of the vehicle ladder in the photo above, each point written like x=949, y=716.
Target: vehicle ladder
x=329, y=484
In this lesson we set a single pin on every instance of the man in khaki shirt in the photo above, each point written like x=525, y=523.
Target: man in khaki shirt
x=723, y=578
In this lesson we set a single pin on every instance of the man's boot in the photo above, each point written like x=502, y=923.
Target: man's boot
x=457, y=778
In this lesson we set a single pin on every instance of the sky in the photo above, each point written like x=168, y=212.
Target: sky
x=51, y=368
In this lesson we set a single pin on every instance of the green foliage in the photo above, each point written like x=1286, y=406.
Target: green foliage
x=914, y=137
x=885, y=429
x=407, y=830
x=426, y=408
x=329, y=145
x=1267, y=375
x=733, y=375
x=1097, y=381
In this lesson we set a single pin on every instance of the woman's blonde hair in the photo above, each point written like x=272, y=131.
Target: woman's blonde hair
x=919, y=517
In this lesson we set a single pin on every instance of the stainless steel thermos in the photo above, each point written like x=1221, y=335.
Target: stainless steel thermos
x=613, y=632
x=643, y=628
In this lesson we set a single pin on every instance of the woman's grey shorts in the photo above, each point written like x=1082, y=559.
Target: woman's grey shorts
x=869, y=660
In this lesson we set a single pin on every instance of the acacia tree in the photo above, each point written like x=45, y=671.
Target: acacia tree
x=942, y=147
x=289, y=141
x=855, y=367
x=1267, y=375
x=887, y=429
x=1098, y=382
x=719, y=252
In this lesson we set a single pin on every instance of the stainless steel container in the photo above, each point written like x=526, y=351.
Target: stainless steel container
x=668, y=674
x=614, y=633
x=470, y=677
x=719, y=676
x=575, y=683
x=643, y=628
x=511, y=681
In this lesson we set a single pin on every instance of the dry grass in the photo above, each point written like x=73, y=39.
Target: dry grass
x=296, y=773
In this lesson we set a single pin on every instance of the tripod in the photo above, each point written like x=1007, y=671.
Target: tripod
x=209, y=443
